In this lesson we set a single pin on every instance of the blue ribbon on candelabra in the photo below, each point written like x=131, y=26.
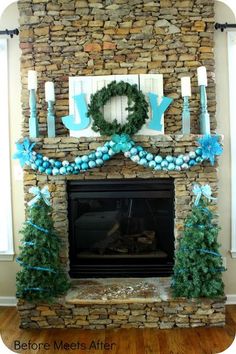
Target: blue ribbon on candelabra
x=202, y=190
x=39, y=194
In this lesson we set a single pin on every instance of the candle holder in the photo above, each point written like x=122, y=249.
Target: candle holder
x=51, y=120
x=204, y=115
x=186, y=117
x=33, y=121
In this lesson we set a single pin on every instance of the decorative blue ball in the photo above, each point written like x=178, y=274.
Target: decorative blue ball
x=105, y=157
x=158, y=167
x=192, y=155
x=63, y=170
x=171, y=166
x=84, y=166
x=198, y=151
x=45, y=158
x=152, y=164
x=99, y=148
x=192, y=163
x=77, y=167
x=92, y=164
x=133, y=151
x=38, y=162
x=177, y=168
x=92, y=156
x=169, y=158
x=149, y=157
x=104, y=149
x=41, y=169
x=69, y=169
x=46, y=164
x=33, y=166
x=127, y=154
x=199, y=159
x=98, y=154
x=142, y=153
x=84, y=158
x=111, y=152
x=55, y=171
x=179, y=161
x=58, y=164
x=48, y=171
x=52, y=162
x=158, y=159
x=139, y=148
x=99, y=162
x=164, y=164
x=39, y=156
x=135, y=158
x=65, y=163
x=143, y=162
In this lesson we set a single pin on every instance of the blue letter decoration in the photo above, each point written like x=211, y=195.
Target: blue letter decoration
x=157, y=110
x=69, y=121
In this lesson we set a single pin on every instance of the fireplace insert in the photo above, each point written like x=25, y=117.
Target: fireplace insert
x=120, y=228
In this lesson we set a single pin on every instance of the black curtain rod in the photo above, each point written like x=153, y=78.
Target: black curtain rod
x=10, y=32
x=223, y=26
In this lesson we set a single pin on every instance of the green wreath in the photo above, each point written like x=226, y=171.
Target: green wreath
x=137, y=113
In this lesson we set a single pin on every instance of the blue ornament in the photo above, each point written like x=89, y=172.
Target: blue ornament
x=198, y=151
x=179, y=161
x=92, y=164
x=63, y=170
x=192, y=163
x=127, y=154
x=55, y=171
x=38, y=162
x=98, y=154
x=65, y=163
x=105, y=157
x=192, y=155
x=210, y=147
x=135, y=158
x=41, y=169
x=111, y=152
x=139, y=148
x=99, y=162
x=158, y=159
x=39, y=156
x=143, y=162
x=69, y=169
x=149, y=157
x=33, y=166
x=84, y=166
x=199, y=159
x=171, y=166
x=77, y=167
x=164, y=164
x=169, y=158
x=52, y=162
x=133, y=151
x=177, y=168
x=99, y=148
x=48, y=171
x=45, y=158
x=152, y=164
x=92, y=156
x=158, y=167
x=58, y=164
x=142, y=153
x=104, y=149
x=46, y=164
x=84, y=158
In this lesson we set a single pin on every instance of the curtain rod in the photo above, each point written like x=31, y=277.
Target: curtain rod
x=10, y=32
x=223, y=26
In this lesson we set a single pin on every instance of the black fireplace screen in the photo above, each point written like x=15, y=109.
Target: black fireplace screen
x=121, y=228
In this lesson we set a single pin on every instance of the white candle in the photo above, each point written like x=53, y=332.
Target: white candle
x=202, y=76
x=185, y=86
x=32, y=80
x=49, y=91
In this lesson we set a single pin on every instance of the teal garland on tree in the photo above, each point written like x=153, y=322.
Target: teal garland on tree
x=41, y=277
x=198, y=263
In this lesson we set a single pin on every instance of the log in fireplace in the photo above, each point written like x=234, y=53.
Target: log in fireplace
x=121, y=228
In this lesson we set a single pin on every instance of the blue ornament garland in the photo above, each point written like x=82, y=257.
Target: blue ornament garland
x=209, y=148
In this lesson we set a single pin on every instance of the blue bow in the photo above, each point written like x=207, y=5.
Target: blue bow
x=43, y=193
x=202, y=190
x=122, y=143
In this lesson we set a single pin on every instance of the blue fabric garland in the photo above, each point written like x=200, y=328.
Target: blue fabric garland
x=202, y=250
x=43, y=269
x=37, y=227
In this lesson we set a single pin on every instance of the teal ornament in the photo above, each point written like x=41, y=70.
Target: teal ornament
x=104, y=149
x=111, y=152
x=41, y=169
x=105, y=157
x=24, y=152
x=199, y=159
x=84, y=158
x=80, y=104
x=58, y=164
x=92, y=156
x=84, y=166
x=78, y=160
x=157, y=110
x=127, y=154
x=52, y=162
x=122, y=143
x=34, y=166
x=45, y=158
x=169, y=158
x=38, y=162
x=143, y=162
x=179, y=161
x=164, y=164
x=48, y=171
x=135, y=158
x=171, y=166
x=63, y=170
x=65, y=163
x=149, y=157
x=198, y=151
x=158, y=159
x=186, y=158
x=98, y=154
x=92, y=164
x=46, y=164
x=99, y=162
x=192, y=154
x=192, y=163
x=177, y=168
x=38, y=193
x=139, y=148
x=69, y=169
x=142, y=153
x=158, y=167
x=152, y=164
x=204, y=190
x=185, y=166
x=134, y=151
x=55, y=171
x=99, y=148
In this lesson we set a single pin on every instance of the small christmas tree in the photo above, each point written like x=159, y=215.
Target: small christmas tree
x=198, y=264
x=42, y=277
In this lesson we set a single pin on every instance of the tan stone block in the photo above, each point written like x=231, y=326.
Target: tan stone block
x=140, y=23
x=92, y=47
x=48, y=313
x=154, y=64
x=41, y=31
x=97, y=23
x=109, y=45
x=122, y=31
x=80, y=23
